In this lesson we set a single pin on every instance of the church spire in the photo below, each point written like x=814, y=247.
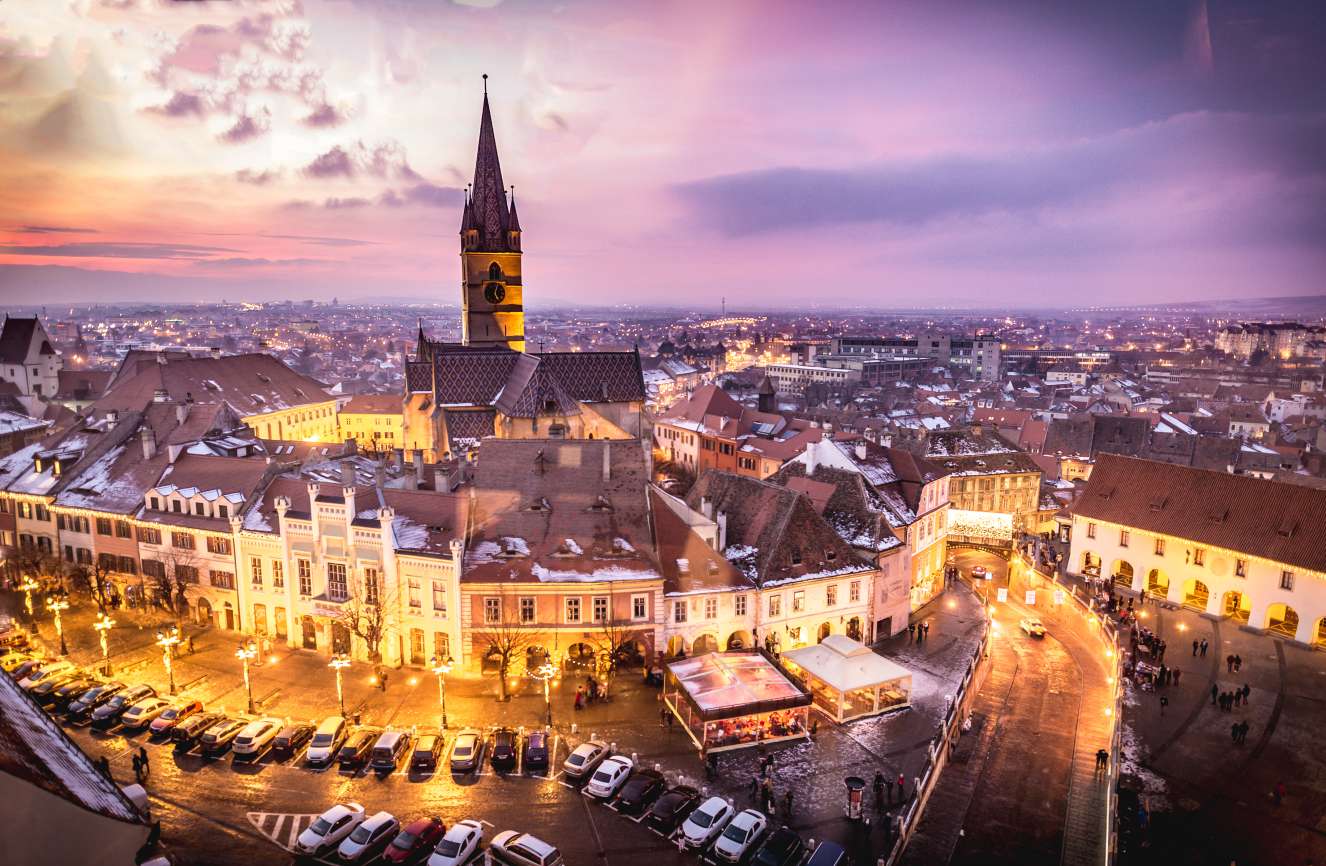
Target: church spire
x=488, y=200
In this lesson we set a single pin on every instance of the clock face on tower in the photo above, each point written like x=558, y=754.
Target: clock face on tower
x=494, y=293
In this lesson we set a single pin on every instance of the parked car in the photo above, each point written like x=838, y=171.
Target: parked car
x=369, y=838
x=330, y=828
x=459, y=844
x=672, y=807
x=586, y=756
x=414, y=841
x=187, y=733
x=390, y=747
x=43, y=692
x=783, y=847
x=829, y=854
x=108, y=713
x=503, y=756
x=84, y=704
x=427, y=752
x=466, y=751
x=44, y=671
x=534, y=751
x=327, y=739
x=740, y=836
x=10, y=662
x=71, y=690
x=290, y=739
x=25, y=667
x=141, y=714
x=255, y=737
x=609, y=777
x=1032, y=626
x=166, y=722
x=356, y=748
x=522, y=849
x=706, y=822
x=640, y=790
x=216, y=739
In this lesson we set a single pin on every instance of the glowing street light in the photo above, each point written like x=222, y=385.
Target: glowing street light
x=545, y=672
x=246, y=652
x=338, y=663
x=55, y=604
x=442, y=667
x=28, y=585
x=103, y=625
x=168, y=640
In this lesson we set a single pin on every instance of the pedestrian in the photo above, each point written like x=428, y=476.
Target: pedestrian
x=1214, y=692
x=1102, y=759
x=382, y=682
x=1247, y=690
x=1195, y=646
x=1177, y=673
x=670, y=717
x=754, y=785
x=1238, y=662
x=1229, y=663
x=138, y=770
x=787, y=805
x=879, y=791
x=927, y=631
x=1234, y=733
x=1204, y=646
x=1244, y=727
x=580, y=697
x=103, y=764
x=911, y=632
x=142, y=759
x=1164, y=702
x=191, y=648
x=902, y=788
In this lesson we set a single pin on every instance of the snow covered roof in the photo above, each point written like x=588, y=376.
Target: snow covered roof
x=845, y=665
x=734, y=683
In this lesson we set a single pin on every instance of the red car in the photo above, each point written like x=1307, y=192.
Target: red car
x=173, y=716
x=415, y=841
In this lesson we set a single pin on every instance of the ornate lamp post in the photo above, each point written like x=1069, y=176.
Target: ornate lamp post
x=103, y=625
x=168, y=640
x=545, y=673
x=442, y=667
x=55, y=604
x=28, y=585
x=339, y=663
x=246, y=652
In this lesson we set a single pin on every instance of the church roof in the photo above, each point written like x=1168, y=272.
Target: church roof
x=491, y=214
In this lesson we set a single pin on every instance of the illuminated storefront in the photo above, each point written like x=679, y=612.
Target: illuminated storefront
x=848, y=680
x=733, y=700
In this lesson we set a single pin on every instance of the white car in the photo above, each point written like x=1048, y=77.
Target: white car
x=256, y=736
x=610, y=776
x=369, y=838
x=330, y=827
x=584, y=759
x=740, y=835
x=143, y=713
x=459, y=845
x=522, y=849
x=1032, y=626
x=47, y=669
x=706, y=822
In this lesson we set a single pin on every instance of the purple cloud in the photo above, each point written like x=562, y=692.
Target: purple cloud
x=53, y=230
x=117, y=250
x=257, y=178
x=248, y=126
x=334, y=163
x=384, y=159
x=324, y=115
x=181, y=104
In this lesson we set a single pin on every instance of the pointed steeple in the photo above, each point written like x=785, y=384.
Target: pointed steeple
x=514, y=224
x=488, y=201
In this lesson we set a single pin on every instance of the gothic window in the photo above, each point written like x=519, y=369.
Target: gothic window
x=494, y=271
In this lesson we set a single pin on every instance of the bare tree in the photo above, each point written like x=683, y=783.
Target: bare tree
x=179, y=575
x=503, y=636
x=94, y=578
x=41, y=565
x=612, y=633
x=366, y=613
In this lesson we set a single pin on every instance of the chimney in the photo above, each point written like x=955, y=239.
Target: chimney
x=181, y=413
x=861, y=451
x=380, y=474
x=347, y=473
x=607, y=462
x=161, y=395
x=398, y=458
x=149, y=443
x=722, y=531
x=112, y=417
x=706, y=507
x=216, y=352
x=418, y=467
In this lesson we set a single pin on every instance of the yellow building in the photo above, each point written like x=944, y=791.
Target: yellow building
x=375, y=422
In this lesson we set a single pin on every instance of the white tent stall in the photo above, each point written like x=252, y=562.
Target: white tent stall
x=848, y=680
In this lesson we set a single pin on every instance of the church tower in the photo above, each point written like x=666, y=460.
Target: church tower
x=492, y=302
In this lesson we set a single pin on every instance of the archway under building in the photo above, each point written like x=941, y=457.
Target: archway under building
x=535, y=656
x=705, y=643
x=677, y=647
x=1319, y=633
x=1196, y=595
x=1090, y=563
x=1236, y=606
x=854, y=629
x=1157, y=584
x=1282, y=619
x=824, y=631
x=631, y=652
x=739, y=639
x=580, y=656
x=1123, y=573
x=204, y=610
x=310, y=633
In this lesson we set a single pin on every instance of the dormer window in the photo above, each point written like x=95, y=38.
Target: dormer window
x=175, y=506
x=795, y=556
x=222, y=511
x=830, y=555
x=199, y=509
x=155, y=503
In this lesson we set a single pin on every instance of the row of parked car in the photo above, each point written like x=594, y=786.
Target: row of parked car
x=335, y=740
x=357, y=837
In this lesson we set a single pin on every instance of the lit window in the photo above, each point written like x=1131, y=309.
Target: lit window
x=492, y=610
x=1287, y=580
x=573, y=610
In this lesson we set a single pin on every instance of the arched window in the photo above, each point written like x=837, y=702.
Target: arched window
x=494, y=271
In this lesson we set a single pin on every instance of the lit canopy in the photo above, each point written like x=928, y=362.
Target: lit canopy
x=848, y=679
x=719, y=684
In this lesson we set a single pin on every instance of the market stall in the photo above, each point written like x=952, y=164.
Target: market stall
x=848, y=680
x=735, y=699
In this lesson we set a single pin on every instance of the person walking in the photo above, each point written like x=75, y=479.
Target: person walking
x=911, y=632
x=787, y=805
x=1238, y=662
x=1229, y=663
x=879, y=791
x=754, y=785
x=1194, y=648
x=1234, y=733
x=142, y=760
x=1177, y=673
x=138, y=769
x=1164, y=702
x=1214, y=692
x=1102, y=759
x=1244, y=727
x=902, y=788
x=1247, y=690
x=580, y=697
x=1204, y=646
x=103, y=764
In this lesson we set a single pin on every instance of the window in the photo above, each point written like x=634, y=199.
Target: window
x=154, y=568
x=795, y=556
x=739, y=605
x=122, y=529
x=854, y=591
x=222, y=579
x=200, y=509
x=104, y=526
x=439, y=597
x=42, y=514
x=711, y=608
x=216, y=544
x=573, y=610
x=127, y=565
x=25, y=510
x=527, y=608
x=155, y=503
x=1287, y=580
x=84, y=556
x=798, y=601
x=775, y=605
x=831, y=595
x=278, y=574
x=186, y=574
x=175, y=506
x=255, y=570
x=68, y=553
x=1240, y=568
x=222, y=511
x=305, y=570
x=414, y=590
x=639, y=606
x=372, y=586
x=600, y=608
x=1123, y=538
x=492, y=610
x=1091, y=530
x=1198, y=556
x=679, y=611
x=441, y=644
x=1160, y=547
x=336, y=586
x=149, y=535
x=182, y=540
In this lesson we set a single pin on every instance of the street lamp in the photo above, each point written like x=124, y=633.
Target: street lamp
x=168, y=640
x=28, y=585
x=55, y=604
x=546, y=672
x=245, y=652
x=103, y=625
x=339, y=663
x=441, y=668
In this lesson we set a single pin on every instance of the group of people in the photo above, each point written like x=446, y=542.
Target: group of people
x=1227, y=701
x=762, y=787
x=883, y=787
x=918, y=631
x=589, y=693
x=1233, y=663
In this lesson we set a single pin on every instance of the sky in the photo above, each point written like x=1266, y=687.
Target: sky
x=824, y=154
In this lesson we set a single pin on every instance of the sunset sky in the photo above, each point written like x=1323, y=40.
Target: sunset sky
x=780, y=154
